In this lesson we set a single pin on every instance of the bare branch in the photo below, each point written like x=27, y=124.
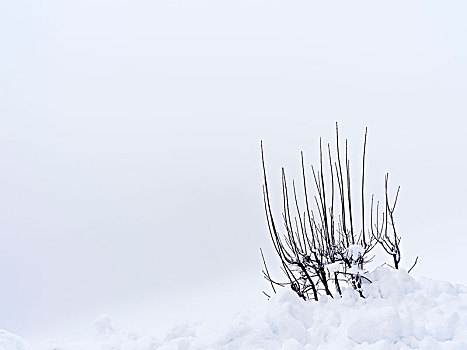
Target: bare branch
x=415, y=263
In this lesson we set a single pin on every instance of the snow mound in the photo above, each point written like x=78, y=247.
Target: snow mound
x=9, y=341
x=398, y=312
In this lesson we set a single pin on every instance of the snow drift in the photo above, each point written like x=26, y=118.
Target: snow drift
x=398, y=312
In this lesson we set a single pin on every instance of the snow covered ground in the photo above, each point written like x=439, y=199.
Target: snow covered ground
x=398, y=312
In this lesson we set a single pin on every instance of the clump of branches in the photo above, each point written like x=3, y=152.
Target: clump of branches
x=320, y=249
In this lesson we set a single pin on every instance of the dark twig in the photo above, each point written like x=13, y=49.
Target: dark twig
x=415, y=263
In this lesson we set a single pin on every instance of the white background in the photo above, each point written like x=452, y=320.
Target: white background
x=130, y=173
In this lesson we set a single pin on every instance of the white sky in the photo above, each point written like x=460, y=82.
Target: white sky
x=129, y=143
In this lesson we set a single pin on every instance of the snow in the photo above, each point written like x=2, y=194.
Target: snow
x=9, y=341
x=355, y=270
x=103, y=325
x=354, y=252
x=333, y=267
x=398, y=312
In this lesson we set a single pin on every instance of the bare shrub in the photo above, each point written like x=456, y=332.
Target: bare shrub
x=320, y=249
